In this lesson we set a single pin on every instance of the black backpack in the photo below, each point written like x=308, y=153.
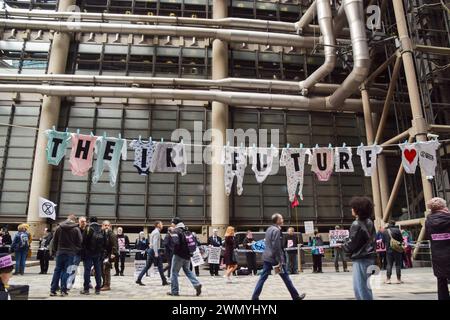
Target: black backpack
x=189, y=241
x=96, y=242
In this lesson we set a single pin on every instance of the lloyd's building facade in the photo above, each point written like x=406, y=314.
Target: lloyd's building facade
x=320, y=72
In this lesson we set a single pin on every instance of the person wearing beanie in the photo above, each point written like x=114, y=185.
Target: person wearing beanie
x=6, y=268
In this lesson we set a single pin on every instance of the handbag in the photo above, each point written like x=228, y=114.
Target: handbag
x=395, y=244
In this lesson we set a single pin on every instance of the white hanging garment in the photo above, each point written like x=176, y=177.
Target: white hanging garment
x=234, y=160
x=343, y=159
x=294, y=161
x=262, y=168
x=368, y=156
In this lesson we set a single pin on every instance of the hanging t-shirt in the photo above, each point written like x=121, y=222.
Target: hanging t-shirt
x=294, y=161
x=82, y=153
x=109, y=150
x=234, y=160
x=56, y=145
x=143, y=155
x=169, y=157
x=410, y=157
x=368, y=156
x=343, y=159
x=322, y=162
x=262, y=161
x=427, y=156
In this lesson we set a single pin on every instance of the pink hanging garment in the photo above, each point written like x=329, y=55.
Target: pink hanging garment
x=82, y=153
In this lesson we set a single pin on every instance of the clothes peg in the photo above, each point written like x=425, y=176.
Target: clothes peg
x=254, y=145
x=162, y=140
x=150, y=139
x=140, y=138
x=67, y=129
x=92, y=134
x=329, y=145
x=288, y=145
x=54, y=128
x=242, y=144
x=362, y=144
x=78, y=132
x=317, y=145
x=271, y=145
x=343, y=145
x=228, y=143
x=301, y=145
x=104, y=134
x=120, y=135
x=182, y=142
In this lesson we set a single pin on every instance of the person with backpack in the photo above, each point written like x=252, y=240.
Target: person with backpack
x=184, y=248
x=360, y=246
x=67, y=243
x=154, y=255
x=123, y=243
x=20, y=247
x=93, y=248
x=394, y=251
x=437, y=230
x=110, y=254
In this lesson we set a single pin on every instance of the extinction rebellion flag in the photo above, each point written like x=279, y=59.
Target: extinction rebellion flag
x=47, y=209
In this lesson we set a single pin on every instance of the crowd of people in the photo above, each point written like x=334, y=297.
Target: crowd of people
x=100, y=249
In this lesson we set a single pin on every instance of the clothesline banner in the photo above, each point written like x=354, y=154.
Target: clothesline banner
x=154, y=156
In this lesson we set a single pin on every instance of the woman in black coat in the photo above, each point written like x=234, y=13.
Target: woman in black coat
x=437, y=229
x=43, y=254
x=229, y=257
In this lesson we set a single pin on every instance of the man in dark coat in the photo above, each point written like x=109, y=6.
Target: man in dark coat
x=214, y=241
x=437, y=229
x=393, y=256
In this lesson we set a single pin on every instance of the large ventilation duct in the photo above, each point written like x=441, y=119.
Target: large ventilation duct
x=326, y=27
x=354, y=10
x=227, y=97
x=228, y=35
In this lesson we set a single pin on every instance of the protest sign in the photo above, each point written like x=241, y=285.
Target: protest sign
x=309, y=227
x=197, y=258
x=337, y=236
x=381, y=247
x=139, y=265
x=214, y=255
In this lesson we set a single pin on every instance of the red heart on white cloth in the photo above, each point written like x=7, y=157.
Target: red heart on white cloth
x=410, y=155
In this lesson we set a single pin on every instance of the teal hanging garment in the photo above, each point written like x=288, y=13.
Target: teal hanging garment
x=109, y=151
x=56, y=146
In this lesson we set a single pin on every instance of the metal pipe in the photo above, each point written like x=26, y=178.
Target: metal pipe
x=240, y=83
x=215, y=22
x=229, y=35
x=380, y=69
x=227, y=97
x=389, y=96
x=354, y=10
x=306, y=18
x=439, y=128
x=402, y=136
x=411, y=222
x=326, y=27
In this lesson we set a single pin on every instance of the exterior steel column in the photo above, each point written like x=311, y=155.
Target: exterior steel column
x=42, y=172
x=419, y=124
x=219, y=115
x=370, y=136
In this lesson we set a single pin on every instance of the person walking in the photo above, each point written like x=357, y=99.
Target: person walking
x=110, y=254
x=317, y=251
x=229, y=256
x=381, y=249
x=339, y=255
x=20, y=246
x=250, y=255
x=394, y=251
x=67, y=243
x=273, y=257
x=168, y=250
x=184, y=247
x=360, y=246
x=93, y=246
x=43, y=254
x=216, y=242
x=437, y=230
x=123, y=243
x=154, y=255
x=290, y=245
